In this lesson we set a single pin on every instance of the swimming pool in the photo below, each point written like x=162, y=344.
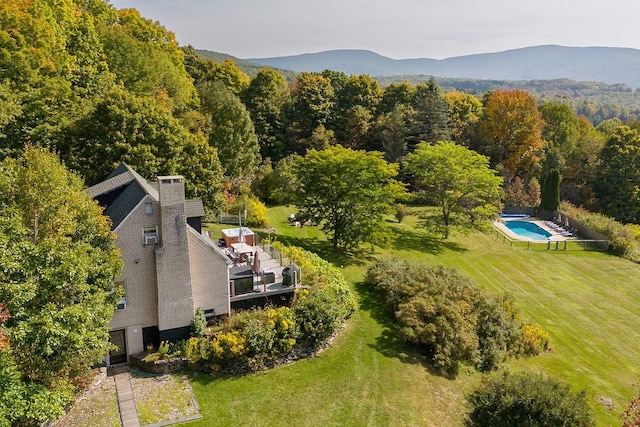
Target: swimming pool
x=528, y=229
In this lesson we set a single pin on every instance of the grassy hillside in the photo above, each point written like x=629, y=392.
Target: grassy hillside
x=589, y=303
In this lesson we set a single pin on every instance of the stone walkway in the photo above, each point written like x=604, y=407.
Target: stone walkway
x=126, y=402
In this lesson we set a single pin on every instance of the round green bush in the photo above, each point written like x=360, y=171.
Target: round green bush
x=527, y=399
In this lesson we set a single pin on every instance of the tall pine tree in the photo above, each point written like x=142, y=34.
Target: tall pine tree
x=550, y=197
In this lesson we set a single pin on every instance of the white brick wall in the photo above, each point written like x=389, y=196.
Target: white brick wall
x=139, y=271
x=209, y=275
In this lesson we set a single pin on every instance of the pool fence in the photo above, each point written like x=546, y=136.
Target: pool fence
x=601, y=245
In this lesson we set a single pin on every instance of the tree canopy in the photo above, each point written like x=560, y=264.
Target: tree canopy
x=513, y=125
x=458, y=181
x=348, y=192
x=617, y=182
x=231, y=131
x=59, y=260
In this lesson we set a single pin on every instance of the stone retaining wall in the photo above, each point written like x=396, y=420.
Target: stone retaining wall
x=165, y=366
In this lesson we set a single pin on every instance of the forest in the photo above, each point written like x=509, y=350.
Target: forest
x=84, y=87
x=98, y=86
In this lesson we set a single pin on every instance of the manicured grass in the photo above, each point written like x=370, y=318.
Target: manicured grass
x=589, y=303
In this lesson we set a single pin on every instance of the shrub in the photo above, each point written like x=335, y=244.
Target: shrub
x=163, y=349
x=527, y=399
x=198, y=349
x=227, y=346
x=401, y=212
x=534, y=340
x=199, y=323
x=449, y=317
x=623, y=239
x=631, y=414
x=327, y=300
x=499, y=336
x=435, y=323
x=318, y=312
x=268, y=332
x=259, y=335
x=256, y=210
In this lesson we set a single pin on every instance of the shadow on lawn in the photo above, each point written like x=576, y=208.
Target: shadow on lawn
x=406, y=238
x=388, y=343
x=325, y=250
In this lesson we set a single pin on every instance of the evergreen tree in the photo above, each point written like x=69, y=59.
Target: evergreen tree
x=431, y=120
x=550, y=197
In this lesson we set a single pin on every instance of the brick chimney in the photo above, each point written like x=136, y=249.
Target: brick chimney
x=175, y=293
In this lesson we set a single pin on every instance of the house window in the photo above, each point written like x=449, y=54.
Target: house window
x=122, y=302
x=148, y=208
x=150, y=235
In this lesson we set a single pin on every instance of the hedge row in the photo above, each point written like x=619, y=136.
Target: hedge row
x=624, y=238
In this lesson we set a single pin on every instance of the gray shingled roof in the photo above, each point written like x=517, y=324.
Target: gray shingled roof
x=109, y=185
x=193, y=208
x=124, y=203
x=133, y=188
x=120, y=177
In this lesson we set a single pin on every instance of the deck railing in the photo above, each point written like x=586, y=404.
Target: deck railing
x=274, y=253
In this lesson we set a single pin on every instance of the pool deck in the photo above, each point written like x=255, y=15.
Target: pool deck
x=555, y=236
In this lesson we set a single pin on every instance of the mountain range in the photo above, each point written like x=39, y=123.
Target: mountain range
x=609, y=65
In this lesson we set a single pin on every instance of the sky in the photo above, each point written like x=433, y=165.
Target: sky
x=397, y=29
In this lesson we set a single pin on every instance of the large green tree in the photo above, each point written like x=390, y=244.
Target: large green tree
x=582, y=165
x=51, y=67
x=396, y=93
x=560, y=132
x=512, y=124
x=465, y=111
x=432, y=116
x=265, y=99
x=348, y=191
x=393, y=129
x=312, y=104
x=617, y=182
x=58, y=262
x=146, y=58
x=457, y=180
x=230, y=131
x=357, y=101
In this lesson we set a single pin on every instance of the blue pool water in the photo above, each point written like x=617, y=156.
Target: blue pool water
x=528, y=229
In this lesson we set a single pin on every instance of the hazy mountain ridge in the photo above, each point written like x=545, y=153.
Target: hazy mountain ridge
x=599, y=64
x=250, y=68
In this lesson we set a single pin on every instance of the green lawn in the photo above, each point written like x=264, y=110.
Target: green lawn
x=589, y=303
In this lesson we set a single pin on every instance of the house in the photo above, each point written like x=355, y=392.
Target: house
x=170, y=267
